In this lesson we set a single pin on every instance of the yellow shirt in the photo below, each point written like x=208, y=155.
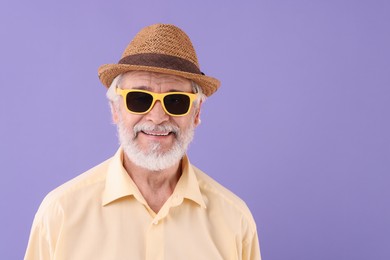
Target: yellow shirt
x=101, y=214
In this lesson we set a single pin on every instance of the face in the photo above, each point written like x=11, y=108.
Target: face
x=154, y=140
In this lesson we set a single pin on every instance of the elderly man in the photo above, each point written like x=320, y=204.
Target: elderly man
x=148, y=201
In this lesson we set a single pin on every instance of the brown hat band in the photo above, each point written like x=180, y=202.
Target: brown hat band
x=161, y=61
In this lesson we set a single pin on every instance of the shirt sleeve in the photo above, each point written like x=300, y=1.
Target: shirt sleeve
x=251, y=248
x=45, y=232
x=38, y=246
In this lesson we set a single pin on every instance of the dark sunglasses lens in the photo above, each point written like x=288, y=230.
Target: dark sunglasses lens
x=177, y=104
x=138, y=101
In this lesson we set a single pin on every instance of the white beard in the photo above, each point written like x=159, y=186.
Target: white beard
x=154, y=159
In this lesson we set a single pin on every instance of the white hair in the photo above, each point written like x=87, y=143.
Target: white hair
x=111, y=94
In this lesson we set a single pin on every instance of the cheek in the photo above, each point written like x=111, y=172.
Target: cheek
x=187, y=122
x=119, y=112
x=127, y=119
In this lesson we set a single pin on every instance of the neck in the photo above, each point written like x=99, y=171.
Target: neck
x=155, y=186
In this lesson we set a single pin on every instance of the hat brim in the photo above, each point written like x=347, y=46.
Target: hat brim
x=108, y=72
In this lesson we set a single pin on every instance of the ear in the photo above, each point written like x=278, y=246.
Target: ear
x=114, y=113
x=197, y=114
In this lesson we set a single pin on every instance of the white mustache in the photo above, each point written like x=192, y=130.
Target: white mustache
x=147, y=127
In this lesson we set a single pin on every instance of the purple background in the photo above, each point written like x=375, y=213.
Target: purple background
x=299, y=129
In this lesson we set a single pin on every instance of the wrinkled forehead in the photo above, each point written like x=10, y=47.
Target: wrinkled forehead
x=152, y=80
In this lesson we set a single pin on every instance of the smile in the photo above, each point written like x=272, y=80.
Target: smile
x=157, y=133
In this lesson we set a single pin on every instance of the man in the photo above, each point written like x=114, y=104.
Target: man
x=148, y=201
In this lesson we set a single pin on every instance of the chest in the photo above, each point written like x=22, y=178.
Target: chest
x=129, y=231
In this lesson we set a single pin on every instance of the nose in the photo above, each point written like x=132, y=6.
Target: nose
x=157, y=114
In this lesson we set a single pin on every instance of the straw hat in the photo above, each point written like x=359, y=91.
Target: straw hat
x=160, y=48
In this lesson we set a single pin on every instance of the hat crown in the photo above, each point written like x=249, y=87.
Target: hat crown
x=162, y=39
x=160, y=48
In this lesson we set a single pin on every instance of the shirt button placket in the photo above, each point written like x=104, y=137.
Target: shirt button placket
x=155, y=240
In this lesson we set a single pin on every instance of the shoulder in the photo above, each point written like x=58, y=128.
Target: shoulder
x=219, y=197
x=81, y=187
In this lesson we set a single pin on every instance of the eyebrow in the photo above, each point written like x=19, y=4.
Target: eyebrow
x=142, y=88
x=149, y=89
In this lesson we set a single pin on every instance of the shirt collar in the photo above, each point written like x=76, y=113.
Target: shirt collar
x=119, y=184
x=188, y=185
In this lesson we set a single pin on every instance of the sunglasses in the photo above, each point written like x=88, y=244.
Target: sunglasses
x=141, y=101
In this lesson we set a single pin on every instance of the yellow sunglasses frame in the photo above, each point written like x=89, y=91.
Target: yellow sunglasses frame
x=156, y=97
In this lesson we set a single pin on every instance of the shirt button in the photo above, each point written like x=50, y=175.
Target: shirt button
x=155, y=222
